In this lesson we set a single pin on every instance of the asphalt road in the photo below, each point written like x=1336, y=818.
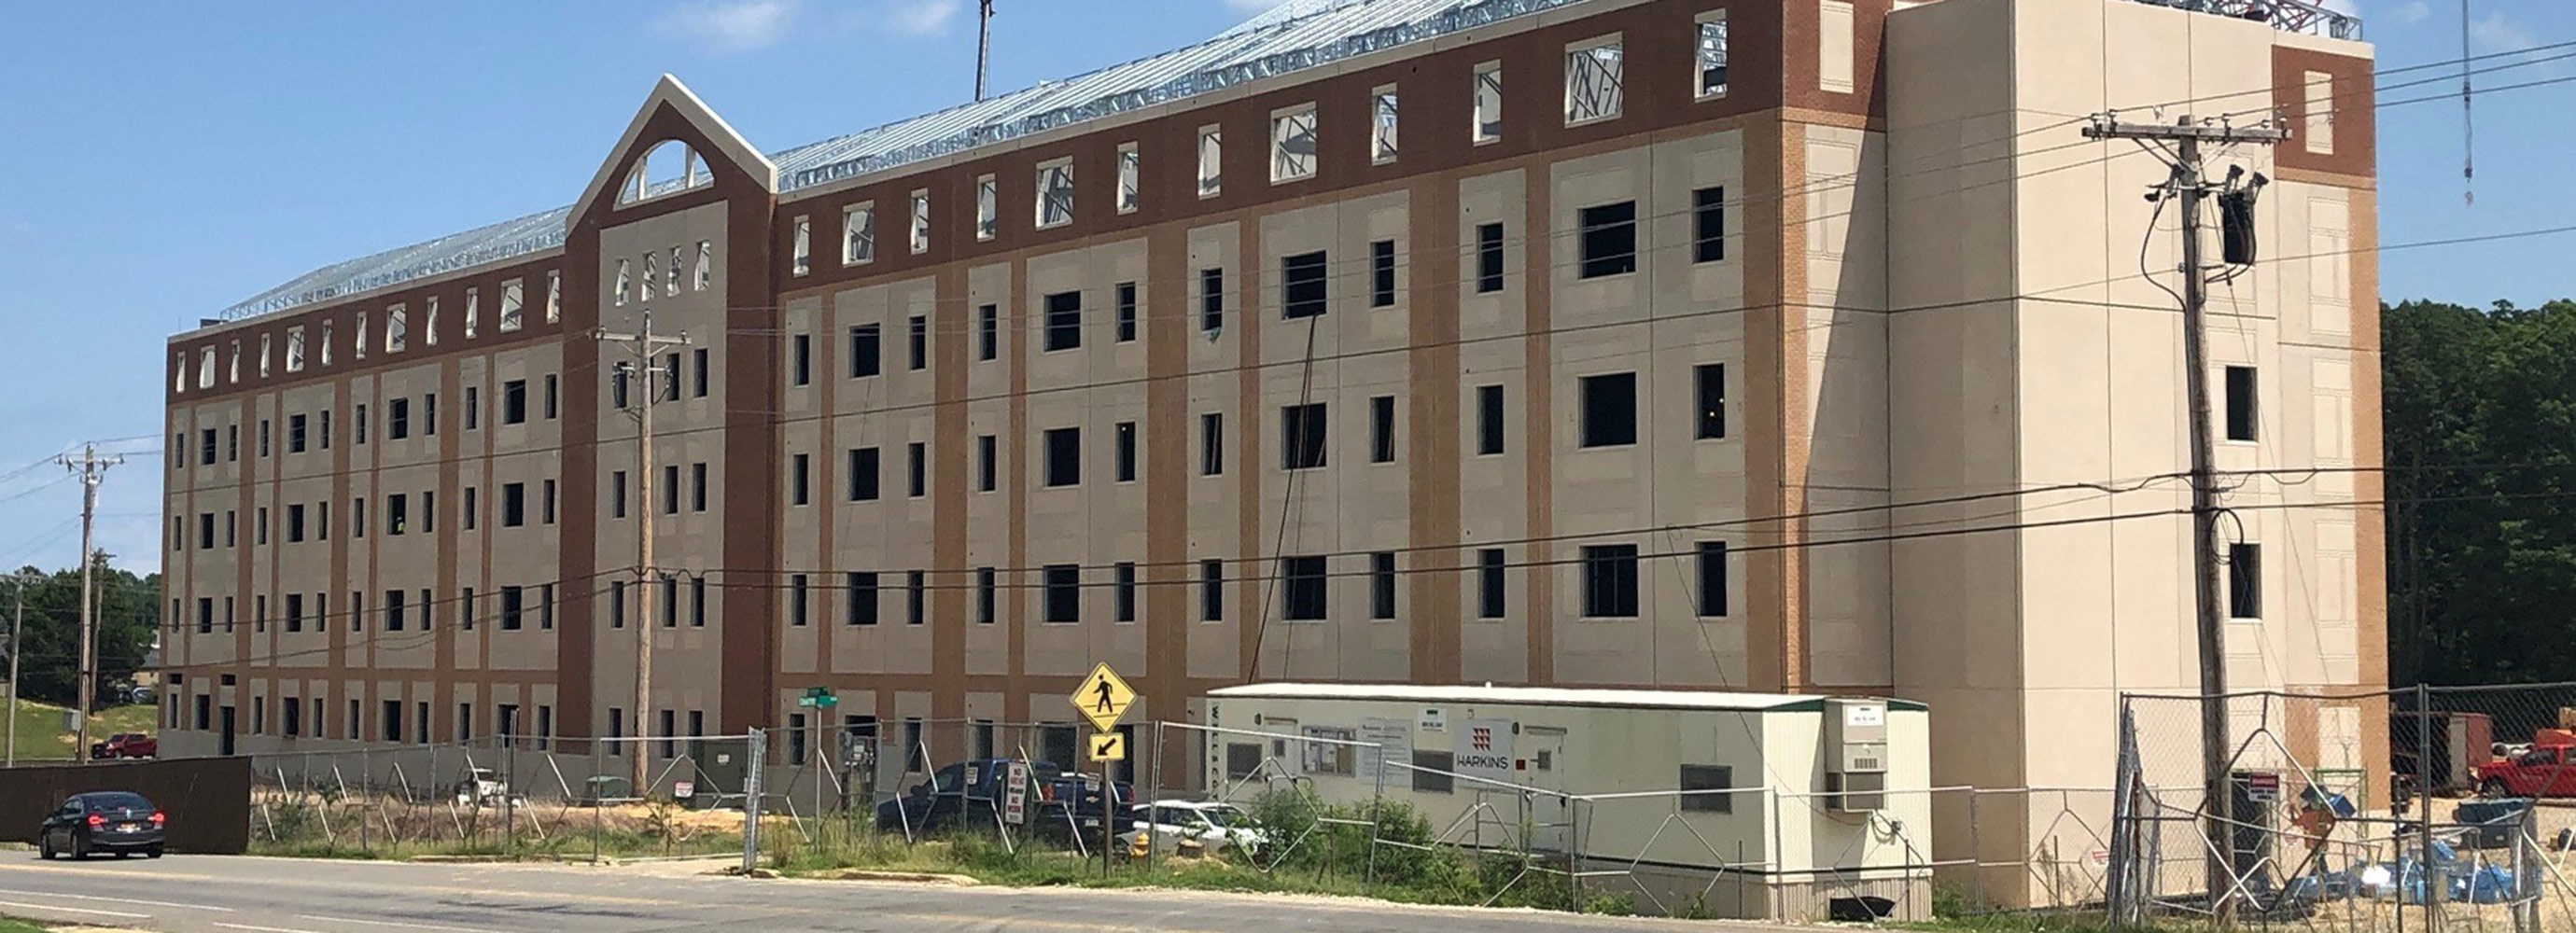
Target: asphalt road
x=240, y=894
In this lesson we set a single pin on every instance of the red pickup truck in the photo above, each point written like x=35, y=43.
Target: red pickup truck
x=2542, y=771
x=126, y=745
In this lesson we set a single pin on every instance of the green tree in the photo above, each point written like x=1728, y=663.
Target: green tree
x=129, y=619
x=2479, y=418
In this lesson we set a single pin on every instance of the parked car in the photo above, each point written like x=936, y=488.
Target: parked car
x=2541, y=771
x=1215, y=827
x=103, y=821
x=126, y=745
x=972, y=793
x=482, y=787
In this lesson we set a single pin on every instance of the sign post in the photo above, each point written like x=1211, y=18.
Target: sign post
x=1103, y=698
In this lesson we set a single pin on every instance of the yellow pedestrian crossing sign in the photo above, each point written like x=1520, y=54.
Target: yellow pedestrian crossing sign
x=1103, y=698
x=1108, y=746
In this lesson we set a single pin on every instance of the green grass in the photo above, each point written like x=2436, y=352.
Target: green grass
x=8, y=925
x=41, y=736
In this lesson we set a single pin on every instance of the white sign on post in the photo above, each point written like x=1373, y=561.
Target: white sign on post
x=1484, y=749
x=1392, y=741
x=1015, y=798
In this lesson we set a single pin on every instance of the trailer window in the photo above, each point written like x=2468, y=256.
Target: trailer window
x=1708, y=778
x=1432, y=772
x=1241, y=760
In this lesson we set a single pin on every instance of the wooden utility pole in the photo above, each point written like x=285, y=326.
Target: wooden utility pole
x=91, y=468
x=17, y=647
x=2190, y=189
x=643, y=344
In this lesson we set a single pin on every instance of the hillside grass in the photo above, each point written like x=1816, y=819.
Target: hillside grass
x=41, y=736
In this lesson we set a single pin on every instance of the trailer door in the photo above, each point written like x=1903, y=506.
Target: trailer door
x=1541, y=764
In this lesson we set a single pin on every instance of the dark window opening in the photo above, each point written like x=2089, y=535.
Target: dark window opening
x=987, y=463
x=1489, y=419
x=1610, y=581
x=1609, y=240
x=1211, y=590
x=1063, y=593
x=1211, y=299
x=863, y=474
x=1489, y=258
x=1382, y=585
x=1064, y=457
x=1709, y=381
x=1610, y=410
x=1489, y=583
x=861, y=596
x=1125, y=577
x=988, y=332
x=1063, y=321
x=1302, y=590
x=2245, y=581
x=1126, y=311
x=1211, y=444
x=866, y=348
x=1708, y=225
x=1381, y=273
x=1301, y=436
x=1302, y=290
x=2241, y=405
x=1382, y=429
x=1712, y=579
x=1126, y=442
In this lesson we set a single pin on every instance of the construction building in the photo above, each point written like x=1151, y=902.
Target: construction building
x=1807, y=349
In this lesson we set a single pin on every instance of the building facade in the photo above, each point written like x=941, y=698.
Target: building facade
x=1726, y=344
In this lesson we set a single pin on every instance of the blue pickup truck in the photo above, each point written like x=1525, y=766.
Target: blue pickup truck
x=972, y=794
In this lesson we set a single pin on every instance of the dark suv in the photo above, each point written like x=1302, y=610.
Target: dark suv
x=103, y=821
x=972, y=794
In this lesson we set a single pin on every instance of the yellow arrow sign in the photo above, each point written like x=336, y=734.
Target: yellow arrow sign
x=1103, y=698
x=1108, y=746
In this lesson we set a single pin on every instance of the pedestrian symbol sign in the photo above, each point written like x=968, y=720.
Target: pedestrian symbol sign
x=1108, y=746
x=1103, y=698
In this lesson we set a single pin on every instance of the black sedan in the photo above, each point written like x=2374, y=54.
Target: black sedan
x=103, y=821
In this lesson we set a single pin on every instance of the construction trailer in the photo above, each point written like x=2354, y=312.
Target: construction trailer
x=1738, y=805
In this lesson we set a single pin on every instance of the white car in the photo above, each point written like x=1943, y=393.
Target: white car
x=1216, y=827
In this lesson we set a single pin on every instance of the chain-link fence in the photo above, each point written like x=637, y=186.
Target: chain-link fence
x=2431, y=807
x=519, y=797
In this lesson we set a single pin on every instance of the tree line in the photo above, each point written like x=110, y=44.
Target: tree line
x=49, y=652
x=2479, y=409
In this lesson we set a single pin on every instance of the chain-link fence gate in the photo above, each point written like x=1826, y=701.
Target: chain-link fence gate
x=2443, y=808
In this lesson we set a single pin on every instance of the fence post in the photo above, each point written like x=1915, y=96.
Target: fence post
x=1976, y=854
x=752, y=756
x=598, y=806
x=2434, y=888
x=509, y=799
x=366, y=793
x=1573, y=850
x=1153, y=795
x=1377, y=817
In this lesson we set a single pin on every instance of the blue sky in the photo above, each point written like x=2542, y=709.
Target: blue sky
x=167, y=159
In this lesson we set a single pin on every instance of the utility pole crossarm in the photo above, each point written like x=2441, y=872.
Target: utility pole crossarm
x=2207, y=133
